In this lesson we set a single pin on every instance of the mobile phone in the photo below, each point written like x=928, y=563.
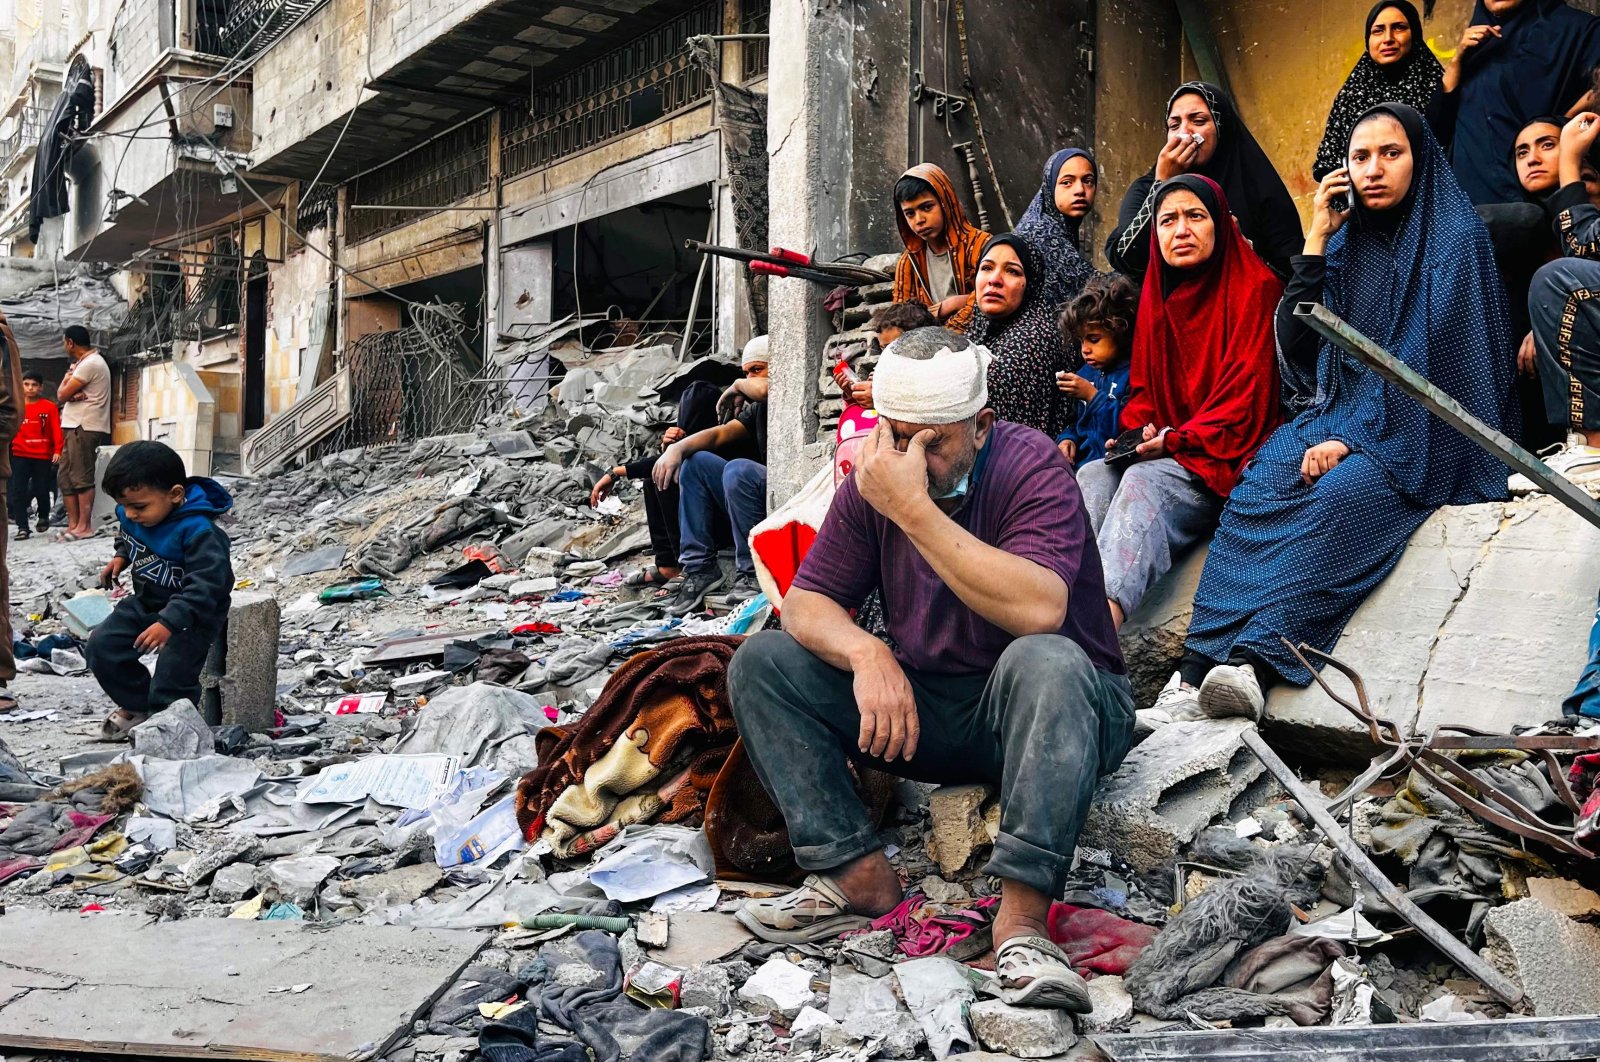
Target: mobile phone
x=1340, y=204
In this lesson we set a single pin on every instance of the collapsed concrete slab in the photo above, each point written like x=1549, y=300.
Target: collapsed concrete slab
x=1470, y=627
x=1169, y=788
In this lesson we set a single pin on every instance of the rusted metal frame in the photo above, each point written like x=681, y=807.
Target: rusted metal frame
x=1418, y=754
x=1331, y=327
x=1503, y=987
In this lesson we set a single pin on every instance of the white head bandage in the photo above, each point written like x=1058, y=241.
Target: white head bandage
x=754, y=351
x=931, y=376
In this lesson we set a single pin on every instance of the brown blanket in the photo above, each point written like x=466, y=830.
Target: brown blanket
x=670, y=704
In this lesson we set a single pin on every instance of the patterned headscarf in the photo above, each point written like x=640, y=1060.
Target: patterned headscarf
x=1053, y=237
x=1412, y=80
x=1027, y=351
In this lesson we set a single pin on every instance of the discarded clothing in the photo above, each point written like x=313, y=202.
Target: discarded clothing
x=1097, y=941
x=923, y=928
x=1179, y=973
x=646, y=751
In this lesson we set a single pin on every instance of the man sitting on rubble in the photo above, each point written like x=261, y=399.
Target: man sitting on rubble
x=1004, y=667
x=716, y=492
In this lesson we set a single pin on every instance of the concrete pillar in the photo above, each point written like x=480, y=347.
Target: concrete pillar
x=809, y=147
x=240, y=680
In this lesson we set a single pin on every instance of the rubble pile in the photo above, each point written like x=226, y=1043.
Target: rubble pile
x=451, y=605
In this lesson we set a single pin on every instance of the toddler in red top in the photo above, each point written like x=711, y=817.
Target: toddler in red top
x=34, y=451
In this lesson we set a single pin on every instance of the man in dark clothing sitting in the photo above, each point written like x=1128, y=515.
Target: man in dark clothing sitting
x=716, y=492
x=1004, y=669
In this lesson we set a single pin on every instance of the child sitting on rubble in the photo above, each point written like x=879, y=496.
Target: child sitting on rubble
x=1100, y=322
x=182, y=575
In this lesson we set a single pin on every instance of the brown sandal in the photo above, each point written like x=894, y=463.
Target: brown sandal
x=115, y=726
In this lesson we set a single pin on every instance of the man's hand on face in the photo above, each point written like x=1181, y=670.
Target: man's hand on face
x=890, y=481
x=889, y=724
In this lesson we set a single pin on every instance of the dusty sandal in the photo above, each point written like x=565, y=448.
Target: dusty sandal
x=648, y=578
x=1033, y=972
x=815, y=911
x=115, y=727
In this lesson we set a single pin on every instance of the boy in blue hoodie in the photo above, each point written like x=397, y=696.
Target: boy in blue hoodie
x=182, y=574
x=1100, y=322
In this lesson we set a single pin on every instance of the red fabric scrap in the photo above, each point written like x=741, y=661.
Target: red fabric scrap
x=1097, y=941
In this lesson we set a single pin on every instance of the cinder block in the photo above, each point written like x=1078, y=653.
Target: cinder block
x=241, y=675
x=1169, y=788
x=1551, y=956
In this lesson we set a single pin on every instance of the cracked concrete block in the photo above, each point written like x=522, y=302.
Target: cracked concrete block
x=240, y=680
x=959, y=826
x=1152, y=637
x=1025, y=1032
x=1511, y=650
x=1552, y=957
x=1169, y=788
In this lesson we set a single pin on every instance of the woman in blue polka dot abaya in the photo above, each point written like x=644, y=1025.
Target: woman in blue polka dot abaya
x=1324, y=511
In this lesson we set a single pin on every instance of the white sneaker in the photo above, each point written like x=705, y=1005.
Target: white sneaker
x=1575, y=460
x=1175, y=703
x=1232, y=690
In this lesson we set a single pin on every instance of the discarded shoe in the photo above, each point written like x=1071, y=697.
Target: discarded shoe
x=1176, y=703
x=1574, y=460
x=1232, y=690
x=692, y=591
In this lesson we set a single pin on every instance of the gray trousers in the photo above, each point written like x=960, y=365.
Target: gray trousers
x=1042, y=727
x=1564, y=308
x=1144, y=515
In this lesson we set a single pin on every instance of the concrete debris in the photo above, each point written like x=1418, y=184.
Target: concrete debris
x=959, y=825
x=1565, y=897
x=179, y=733
x=297, y=879
x=1113, y=1006
x=709, y=987
x=1026, y=1032
x=778, y=988
x=1551, y=956
x=1169, y=788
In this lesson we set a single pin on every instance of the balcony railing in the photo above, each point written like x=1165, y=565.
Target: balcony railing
x=755, y=16
x=26, y=128
x=252, y=25
x=648, y=78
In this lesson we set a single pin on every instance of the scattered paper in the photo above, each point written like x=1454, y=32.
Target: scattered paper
x=398, y=781
x=645, y=862
x=688, y=898
x=486, y=838
x=357, y=703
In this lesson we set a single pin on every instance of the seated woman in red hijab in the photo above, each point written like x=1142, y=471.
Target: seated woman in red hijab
x=1204, y=391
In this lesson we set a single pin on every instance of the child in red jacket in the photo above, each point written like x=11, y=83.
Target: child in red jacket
x=34, y=451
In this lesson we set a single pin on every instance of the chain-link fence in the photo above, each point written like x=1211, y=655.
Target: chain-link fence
x=411, y=383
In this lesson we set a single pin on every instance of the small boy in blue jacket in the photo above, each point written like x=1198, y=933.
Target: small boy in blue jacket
x=1100, y=322
x=182, y=573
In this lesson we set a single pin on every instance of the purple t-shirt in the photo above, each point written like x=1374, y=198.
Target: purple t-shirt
x=1025, y=501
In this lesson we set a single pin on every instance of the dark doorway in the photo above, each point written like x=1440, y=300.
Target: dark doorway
x=255, y=352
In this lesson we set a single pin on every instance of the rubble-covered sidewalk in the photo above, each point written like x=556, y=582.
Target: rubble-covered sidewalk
x=442, y=617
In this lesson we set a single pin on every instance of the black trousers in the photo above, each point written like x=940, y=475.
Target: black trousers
x=31, y=478
x=115, y=662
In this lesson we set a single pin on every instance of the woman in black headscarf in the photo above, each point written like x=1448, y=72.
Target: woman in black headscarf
x=1206, y=136
x=1018, y=326
x=1397, y=67
x=1052, y=222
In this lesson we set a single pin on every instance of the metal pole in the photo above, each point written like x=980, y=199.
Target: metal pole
x=694, y=300
x=1332, y=328
x=1398, y=902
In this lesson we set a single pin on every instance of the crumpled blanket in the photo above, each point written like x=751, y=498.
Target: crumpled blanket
x=648, y=750
x=1203, y=962
x=588, y=1002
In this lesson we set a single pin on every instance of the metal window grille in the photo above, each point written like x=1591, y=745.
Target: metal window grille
x=443, y=171
x=648, y=78
x=755, y=16
x=25, y=133
x=411, y=383
x=128, y=378
x=312, y=213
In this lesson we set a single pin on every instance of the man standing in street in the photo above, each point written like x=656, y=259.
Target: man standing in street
x=86, y=422
x=33, y=455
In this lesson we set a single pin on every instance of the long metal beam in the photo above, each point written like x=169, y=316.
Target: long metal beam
x=1522, y=1039
x=1502, y=986
x=1334, y=329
